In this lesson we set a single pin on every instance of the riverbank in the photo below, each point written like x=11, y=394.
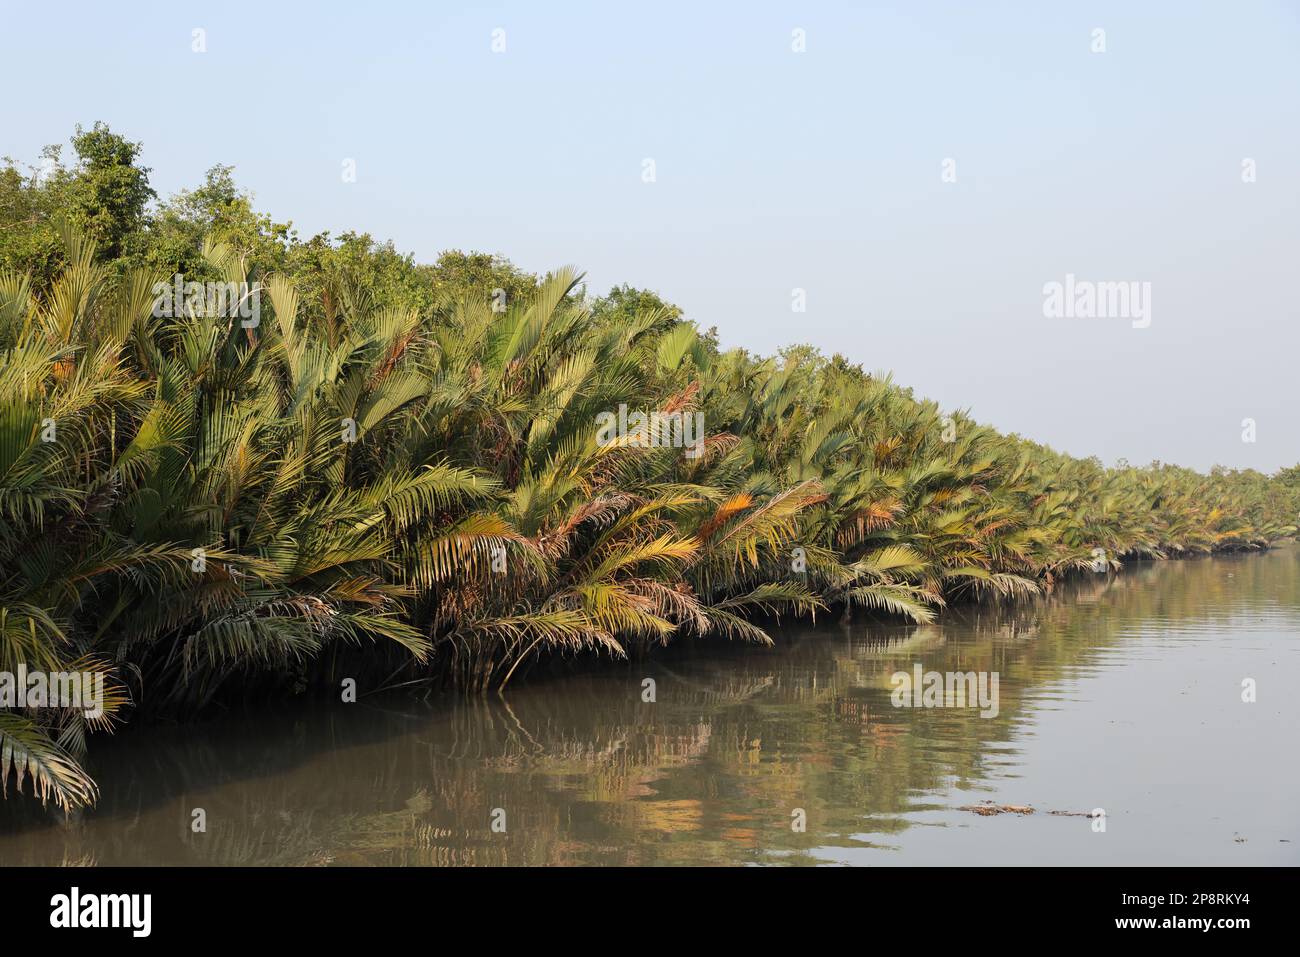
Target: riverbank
x=1113, y=693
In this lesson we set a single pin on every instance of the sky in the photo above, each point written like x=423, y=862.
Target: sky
x=921, y=172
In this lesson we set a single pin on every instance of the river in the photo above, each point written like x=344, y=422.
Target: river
x=1120, y=693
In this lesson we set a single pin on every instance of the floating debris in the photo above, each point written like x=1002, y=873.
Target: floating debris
x=990, y=808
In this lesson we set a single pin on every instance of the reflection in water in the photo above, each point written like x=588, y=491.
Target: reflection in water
x=1120, y=693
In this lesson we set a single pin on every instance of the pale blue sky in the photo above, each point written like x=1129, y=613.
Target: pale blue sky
x=778, y=170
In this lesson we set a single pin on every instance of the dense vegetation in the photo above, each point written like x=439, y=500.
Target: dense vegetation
x=396, y=475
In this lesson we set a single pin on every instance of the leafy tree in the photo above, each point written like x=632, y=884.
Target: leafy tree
x=219, y=211
x=29, y=203
x=458, y=274
x=109, y=193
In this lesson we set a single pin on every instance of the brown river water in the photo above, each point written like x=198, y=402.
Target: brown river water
x=1120, y=693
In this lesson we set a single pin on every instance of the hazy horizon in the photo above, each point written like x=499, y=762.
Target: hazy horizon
x=777, y=170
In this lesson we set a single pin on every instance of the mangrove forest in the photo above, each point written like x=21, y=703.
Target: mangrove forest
x=238, y=465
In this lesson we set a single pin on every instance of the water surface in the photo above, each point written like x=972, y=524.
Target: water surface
x=1122, y=693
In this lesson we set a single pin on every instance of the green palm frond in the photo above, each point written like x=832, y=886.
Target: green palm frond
x=28, y=755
